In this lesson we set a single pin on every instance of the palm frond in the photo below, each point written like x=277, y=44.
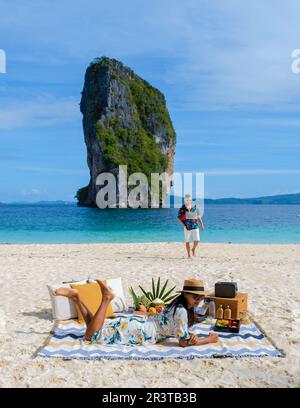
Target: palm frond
x=158, y=291
x=150, y=296
x=136, y=299
x=157, y=287
x=145, y=293
x=168, y=293
x=170, y=298
x=163, y=289
x=153, y=288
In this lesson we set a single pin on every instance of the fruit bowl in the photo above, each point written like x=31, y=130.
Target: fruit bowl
x=153, y=310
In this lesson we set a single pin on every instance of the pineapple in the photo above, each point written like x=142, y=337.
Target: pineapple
x=145, y=302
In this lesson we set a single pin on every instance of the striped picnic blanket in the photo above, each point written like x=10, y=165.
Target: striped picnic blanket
x=67, y=342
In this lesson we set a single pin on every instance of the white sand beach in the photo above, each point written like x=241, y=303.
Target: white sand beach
x=269, y=273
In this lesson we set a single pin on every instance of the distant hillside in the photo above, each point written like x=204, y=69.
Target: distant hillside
x=57, y=202
x=46, y=203
x=277, y=199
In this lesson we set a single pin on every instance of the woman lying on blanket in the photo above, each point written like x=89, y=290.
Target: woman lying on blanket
x=174, y=321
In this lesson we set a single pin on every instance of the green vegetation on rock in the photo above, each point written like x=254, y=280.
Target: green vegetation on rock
x=135, y=145
x=131, y=146
x=82, y=194
x=151, y=105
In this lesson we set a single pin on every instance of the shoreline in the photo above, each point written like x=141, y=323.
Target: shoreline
x=151, y=243
x=269, y=273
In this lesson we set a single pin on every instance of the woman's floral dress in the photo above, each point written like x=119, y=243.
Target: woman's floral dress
x=141, y=330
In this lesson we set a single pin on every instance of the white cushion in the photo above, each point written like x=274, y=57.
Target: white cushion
x=119, y=302
x=63, y=308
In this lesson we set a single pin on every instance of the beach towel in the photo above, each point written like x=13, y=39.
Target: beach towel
x=67, y=343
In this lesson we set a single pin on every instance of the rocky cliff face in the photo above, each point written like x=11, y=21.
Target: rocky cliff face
x=125, y=121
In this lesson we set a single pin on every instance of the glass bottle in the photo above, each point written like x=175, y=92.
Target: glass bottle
x=205, y=307
x=227, y=313
x=211, y=309
x=220, y=312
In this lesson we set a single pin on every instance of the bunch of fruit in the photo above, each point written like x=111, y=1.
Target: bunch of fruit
x=227, y=323
x=152, y=308
x=152, y=302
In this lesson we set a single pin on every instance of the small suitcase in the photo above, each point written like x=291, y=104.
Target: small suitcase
x=226, y=289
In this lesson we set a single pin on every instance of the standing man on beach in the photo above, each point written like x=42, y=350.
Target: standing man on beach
x=189, y=217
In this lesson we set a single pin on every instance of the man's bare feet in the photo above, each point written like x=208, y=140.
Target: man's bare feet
x=107, y=293
x=67, y=292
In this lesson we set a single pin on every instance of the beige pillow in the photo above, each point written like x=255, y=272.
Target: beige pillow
x=63, y=308
x=118, y=303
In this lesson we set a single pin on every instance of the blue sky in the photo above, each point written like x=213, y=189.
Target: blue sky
x=223, y=65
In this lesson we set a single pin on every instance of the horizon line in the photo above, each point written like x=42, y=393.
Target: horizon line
x=205, y=198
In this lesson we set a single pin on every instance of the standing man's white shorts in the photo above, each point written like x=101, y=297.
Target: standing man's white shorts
x=194, y=233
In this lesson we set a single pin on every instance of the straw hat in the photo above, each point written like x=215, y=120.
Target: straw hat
x=195, y=286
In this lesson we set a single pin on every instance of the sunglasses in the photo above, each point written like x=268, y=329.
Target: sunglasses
x=197, y=297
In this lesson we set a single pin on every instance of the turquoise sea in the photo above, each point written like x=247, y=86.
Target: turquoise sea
x=71, y=224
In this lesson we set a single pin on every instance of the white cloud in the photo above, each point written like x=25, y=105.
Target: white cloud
x=33, y=192
x=221, y=54
x=41, y=111
x=2, y=62
x=51, y=170
x=242, y=172
x=282, y=122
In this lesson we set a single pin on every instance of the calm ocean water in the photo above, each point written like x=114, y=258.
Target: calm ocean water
x=72, y=224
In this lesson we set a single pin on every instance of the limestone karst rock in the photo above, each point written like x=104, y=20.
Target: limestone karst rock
x=125, y=121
